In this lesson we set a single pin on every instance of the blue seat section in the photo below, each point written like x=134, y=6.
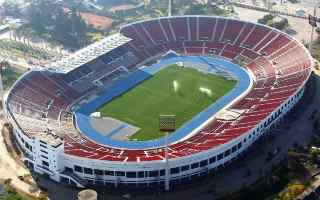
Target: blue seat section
x=78, y=73
x=83, y=119
x=115, y=53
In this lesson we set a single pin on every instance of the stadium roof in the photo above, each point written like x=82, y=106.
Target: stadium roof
x=88, y=54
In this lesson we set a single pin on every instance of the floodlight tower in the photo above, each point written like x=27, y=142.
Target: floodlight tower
x=169, y=8
x=313, y=22
x=312, y=29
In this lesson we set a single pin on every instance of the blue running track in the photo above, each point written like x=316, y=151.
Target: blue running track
x=83, y=114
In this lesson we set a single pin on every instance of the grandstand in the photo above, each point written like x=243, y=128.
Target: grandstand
x=50, y=107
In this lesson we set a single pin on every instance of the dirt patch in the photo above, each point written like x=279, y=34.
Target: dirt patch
x=12, y=148
x=97, y=21
x=11, y=167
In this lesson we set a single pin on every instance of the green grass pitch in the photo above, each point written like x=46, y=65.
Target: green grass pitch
x=173, y=90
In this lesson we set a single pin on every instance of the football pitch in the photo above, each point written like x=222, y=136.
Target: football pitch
x=175, y=90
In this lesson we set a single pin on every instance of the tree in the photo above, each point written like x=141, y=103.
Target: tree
x=266, y=19
x=270, y=20
x=60, y=24
x=197, y=9
x=282, y=24
x=11, y=9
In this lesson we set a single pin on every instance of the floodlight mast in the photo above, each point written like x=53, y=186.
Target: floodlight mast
x=169, y=8
x=312, y=29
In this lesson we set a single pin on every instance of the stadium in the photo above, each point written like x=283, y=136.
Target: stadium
x=92, y=119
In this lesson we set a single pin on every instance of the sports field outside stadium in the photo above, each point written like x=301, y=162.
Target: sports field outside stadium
x=175, y=90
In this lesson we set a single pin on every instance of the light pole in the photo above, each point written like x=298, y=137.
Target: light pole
x=169, y=8
x=312, y=29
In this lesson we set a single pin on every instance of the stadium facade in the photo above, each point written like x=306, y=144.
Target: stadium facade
x=42, y=104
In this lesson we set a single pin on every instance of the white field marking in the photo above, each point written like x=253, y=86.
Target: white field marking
x=175, y=86
x=205, y=91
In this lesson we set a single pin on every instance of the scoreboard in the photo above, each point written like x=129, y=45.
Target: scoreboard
x=167, y=123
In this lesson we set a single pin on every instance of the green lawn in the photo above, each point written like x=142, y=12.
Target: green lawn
x=142, y=105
